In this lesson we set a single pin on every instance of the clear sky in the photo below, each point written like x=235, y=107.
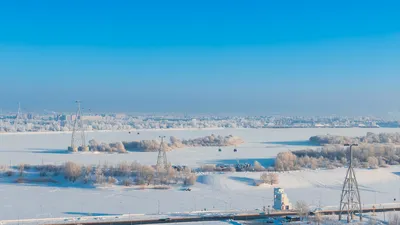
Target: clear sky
x=257, y=57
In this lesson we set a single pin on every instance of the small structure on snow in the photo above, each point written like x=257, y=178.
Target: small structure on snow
x=281, y=201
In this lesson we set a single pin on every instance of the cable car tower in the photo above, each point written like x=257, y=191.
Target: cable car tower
x=17, y=117
x=350, y=201
x=78, y=142
x=162, y=162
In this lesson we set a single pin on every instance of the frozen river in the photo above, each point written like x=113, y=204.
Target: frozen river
x=212, y=191
x=259, y=144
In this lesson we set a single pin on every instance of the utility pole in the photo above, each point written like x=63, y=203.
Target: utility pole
x=384, y=216
x=350, y=201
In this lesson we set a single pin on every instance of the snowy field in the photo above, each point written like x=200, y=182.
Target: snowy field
x=212, y=191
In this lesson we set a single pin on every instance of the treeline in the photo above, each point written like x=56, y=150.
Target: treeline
x=154, y=145
x=334, y=156
x=121, y=174
x=370, y=138
x=239, y=167
x=106, y=147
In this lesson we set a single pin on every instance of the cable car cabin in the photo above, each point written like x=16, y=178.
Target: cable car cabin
x=235, y=150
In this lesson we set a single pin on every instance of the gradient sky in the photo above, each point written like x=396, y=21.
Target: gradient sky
x=256, y=57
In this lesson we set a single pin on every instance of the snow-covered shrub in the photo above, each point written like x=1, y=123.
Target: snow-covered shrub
x=190, y=179
x=72, y=171
x=258, y=167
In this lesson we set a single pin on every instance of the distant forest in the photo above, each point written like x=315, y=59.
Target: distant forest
x=371, y=138
x=374, y=151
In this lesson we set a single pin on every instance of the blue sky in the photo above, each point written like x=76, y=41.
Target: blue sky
x=256, y=57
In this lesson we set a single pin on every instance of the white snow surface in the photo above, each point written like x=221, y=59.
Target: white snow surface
x=213, y=191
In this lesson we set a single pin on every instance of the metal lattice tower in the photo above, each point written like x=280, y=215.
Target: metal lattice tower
x=17, y=117
x=76, y=139
x=162, y=162
x=350, y=201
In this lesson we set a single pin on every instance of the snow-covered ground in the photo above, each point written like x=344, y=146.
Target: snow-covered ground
x=211, y=192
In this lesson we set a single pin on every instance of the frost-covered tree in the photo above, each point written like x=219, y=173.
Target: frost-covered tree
x=269, y=178
x=285, y=161
x=373, y=162
x=72, y=171
x=302, y=209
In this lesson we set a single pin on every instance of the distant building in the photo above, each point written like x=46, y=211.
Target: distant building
x=119, y=115
x=194, y=122
x=63, y=117
x=92, y=118
x=30, y=116
x=71, y=117
x=281, y=201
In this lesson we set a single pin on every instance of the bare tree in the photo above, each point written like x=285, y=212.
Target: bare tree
x=273, y=178
x=135, y=166
x=99, y=176
x=72, y=171
x=264, y=178
x=373, y=162
x=285, y=161
x=171, y=174
x=147, y=174
x=317, y=218
x=394, y=219
x=279, y=166
x=313, y=163
x=190, y=180
x=269, y=178
x=124, y=169
x=302, y=209
x=111, y=180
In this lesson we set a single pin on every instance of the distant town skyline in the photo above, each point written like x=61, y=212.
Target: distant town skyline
x=258, y=58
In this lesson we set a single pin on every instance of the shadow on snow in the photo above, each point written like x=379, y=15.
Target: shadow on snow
x=292, y=143
x=48, y=151
x=49, y=181
x=90, y=214
x=245, y=180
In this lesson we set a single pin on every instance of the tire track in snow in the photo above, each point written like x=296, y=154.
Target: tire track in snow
x=338, y=186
